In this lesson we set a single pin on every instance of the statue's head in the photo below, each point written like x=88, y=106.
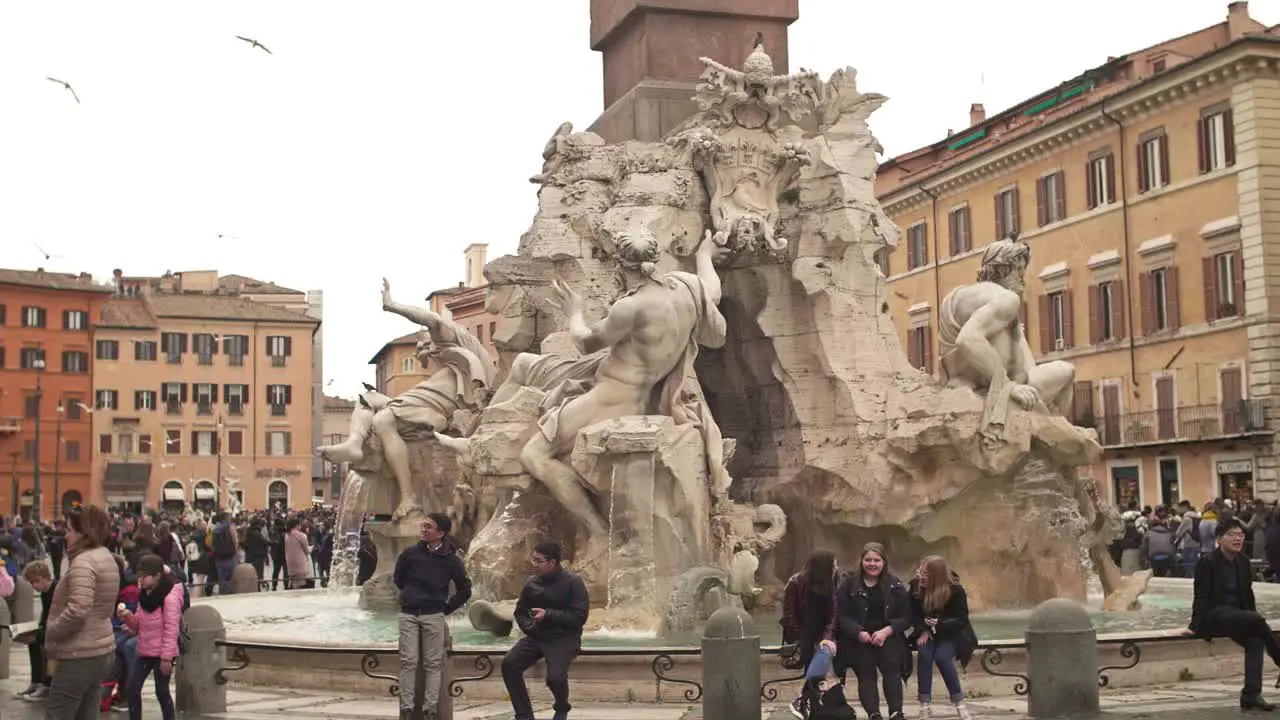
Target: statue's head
x=425, y=348
x=637, y=252
x=1004, y=263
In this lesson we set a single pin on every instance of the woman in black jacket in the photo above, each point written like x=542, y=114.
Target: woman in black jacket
x=943, y=635
x=873, y=614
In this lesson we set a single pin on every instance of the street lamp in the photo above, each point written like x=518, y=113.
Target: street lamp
x=217, y=448
x=13, y=468
x=57, y=462
x=38, y=364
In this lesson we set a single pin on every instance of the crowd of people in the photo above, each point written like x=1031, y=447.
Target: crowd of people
x=1169, y=539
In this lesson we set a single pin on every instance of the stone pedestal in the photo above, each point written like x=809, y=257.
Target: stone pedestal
x=198, y=691
x=244, y=579
x=1062, y=661
x=24, y=601
x=380, y=592
x=730, y=666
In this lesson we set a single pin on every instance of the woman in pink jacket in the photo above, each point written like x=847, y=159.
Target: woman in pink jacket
x=156, y=624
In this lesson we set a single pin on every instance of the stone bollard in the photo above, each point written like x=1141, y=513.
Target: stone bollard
x=730, y=666
x=244, y=579
x=198, y=691
x=24, y=601
x=444, y=706
x=1062, y=661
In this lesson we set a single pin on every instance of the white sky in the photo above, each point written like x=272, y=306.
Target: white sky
x=381, y=138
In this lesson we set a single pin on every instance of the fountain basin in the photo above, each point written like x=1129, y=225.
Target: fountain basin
x=317, y=639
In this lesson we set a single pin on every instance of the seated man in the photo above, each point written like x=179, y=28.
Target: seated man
x=1224, y=606
x=551, y=611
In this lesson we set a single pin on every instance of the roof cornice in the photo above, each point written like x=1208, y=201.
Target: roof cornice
x=1242, y=60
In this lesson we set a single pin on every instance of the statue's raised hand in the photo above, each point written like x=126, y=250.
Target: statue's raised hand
x=386, y=294
x=564, y=298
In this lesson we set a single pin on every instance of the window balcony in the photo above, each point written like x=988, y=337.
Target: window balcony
x=10, y=425
x=173, y=407
x=235, y=407
x=1185, y=424
x=204, y=359
x=204, y=408
x=279, y=361
x=278, y=410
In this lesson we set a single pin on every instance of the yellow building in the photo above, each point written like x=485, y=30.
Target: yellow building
x=1146, y=190
x=200, y=390
x=396, y=366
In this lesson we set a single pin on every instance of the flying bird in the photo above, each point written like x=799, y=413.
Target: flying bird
x=84, y=407
x=47, y=255
x=70, y=89
x=252, y=42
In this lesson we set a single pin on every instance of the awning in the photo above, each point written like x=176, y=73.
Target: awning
x=177, y=494
x=206, y=493
x=126, y=482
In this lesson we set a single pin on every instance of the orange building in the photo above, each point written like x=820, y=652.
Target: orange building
x=46, y=386
x=1143, y=188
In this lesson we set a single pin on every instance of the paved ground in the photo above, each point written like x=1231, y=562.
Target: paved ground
x=1204, y=700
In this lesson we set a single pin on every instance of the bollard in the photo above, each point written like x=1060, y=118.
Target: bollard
x=730, y=666
x=198, y=691
x=24, y=601
x=444, y=706
x=244, y=579
x=1062, y=661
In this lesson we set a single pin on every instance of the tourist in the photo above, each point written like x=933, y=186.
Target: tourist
x=297, y=557
x=1224, y=606
x=40, y=575
x=226, y=552
x=1187, y=538
x=551, y=612
x=873, y=612
x=78, y=635
x=809, y=620
x=275, y=537
x=423, y=573
x=1158, y=550
x=256, y=547
x=1272, y=542
x=367, y=556
x=156, y=626
x=943, y=634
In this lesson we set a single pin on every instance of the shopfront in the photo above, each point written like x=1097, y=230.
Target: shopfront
x=1235, y=479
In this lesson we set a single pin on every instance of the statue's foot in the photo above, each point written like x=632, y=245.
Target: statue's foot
x=342, y=452
x=407, y=510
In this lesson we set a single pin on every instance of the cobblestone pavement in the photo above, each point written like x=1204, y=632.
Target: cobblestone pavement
x=1203, y=700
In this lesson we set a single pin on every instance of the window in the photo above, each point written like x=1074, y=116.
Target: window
x=406, y=365
x=1057, y=325
x=73, y=407
x=144, y=444
x=31, y=406
x=236, y=396
x=28, y=358
x=106, y=400
x=960, y=233
x=124, y=444
x=1166, y=408
x=173, y=344
x=279, y=442
x=144, y=399
x=3, y=317
x=75, y=361
x=1006, y=213
x=1125, y=485
x=1157, y=66
x=73, y=450
x=107, y=350
x=917, y=245
x=174, y=395
x=206, y=396
x=33, y=317
x=144, y=350
x=1223, y=286
x=1153, y=160
x=206, y=346
x=1100, y=175
x=28, y=449
x=104, y=443
x=919, y=348
x=279, y=397
x=1217, y=141
x=1082, y=404
x=204, y=442
x=235, y=442
x=235, y=347
x=279, y=348
x=1160, y=310
x=74, y=320
x=1, y=357
x=1106, y=312
x=172, y=442
x=1051, y=198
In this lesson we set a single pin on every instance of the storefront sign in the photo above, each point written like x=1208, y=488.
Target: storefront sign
x=1234, y=467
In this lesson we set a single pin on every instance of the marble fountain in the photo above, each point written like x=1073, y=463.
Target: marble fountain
x=766, y=409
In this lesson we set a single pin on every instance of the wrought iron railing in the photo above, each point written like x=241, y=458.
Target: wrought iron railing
x=1187, y=423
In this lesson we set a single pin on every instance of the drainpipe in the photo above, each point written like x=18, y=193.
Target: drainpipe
x=937, y=268
x=1120, y=155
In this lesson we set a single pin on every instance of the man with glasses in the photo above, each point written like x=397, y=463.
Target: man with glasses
x=1224, y=606
x=424, y=573
x=551, y=611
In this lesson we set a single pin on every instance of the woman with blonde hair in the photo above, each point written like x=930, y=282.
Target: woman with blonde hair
x=943, y=634
x=873, y=614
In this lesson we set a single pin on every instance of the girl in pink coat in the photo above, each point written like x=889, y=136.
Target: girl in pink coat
x=156, y=624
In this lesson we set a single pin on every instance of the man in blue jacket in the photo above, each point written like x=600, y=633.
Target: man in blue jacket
x=424, y=573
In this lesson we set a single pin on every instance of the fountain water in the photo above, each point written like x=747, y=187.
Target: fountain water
x=346, y=533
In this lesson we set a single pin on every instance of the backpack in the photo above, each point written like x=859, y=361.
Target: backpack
x=224, y=545
x=1195, y=528
x=830, y=704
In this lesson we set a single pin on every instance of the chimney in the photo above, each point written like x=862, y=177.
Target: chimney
x=475, y=255
x=977, y=114
x=1238, y=21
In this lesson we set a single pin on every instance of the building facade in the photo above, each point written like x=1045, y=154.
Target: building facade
x=1142, y=189
x=199, y=396
x=337, y=426
x=46, y=366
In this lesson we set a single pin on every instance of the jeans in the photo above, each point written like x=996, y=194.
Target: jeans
x=1187, y=557
x=225, y=568
x=943, y=654
x=77, y=688
x=421, y=643
x=1249, y=630
x=819, y=666
x=259, y=566
x=35, y=653
x=126, y=662
x=144, y=667
x=1164, y=566
x=886, y=660
x=559, y=654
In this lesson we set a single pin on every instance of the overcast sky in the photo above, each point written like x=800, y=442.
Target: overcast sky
x=381, y=138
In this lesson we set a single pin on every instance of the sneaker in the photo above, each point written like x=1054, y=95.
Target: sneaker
x=797, y=708
x=41, y=692
x=30, y=689
x=897, y=716
x=560, y=715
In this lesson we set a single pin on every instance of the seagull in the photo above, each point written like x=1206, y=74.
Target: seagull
x=329, y=383
x=84, y=407
x=72, y=90
x=172, y=441
x=252, y=42
x=47, y=255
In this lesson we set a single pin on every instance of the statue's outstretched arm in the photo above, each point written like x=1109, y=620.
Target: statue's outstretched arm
x=610, y=331
x=420, y=315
